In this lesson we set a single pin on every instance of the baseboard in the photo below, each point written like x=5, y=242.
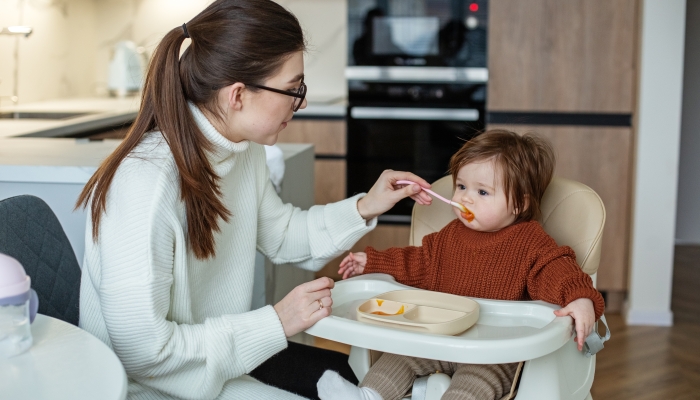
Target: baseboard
x=686, y=242
x=645, y=317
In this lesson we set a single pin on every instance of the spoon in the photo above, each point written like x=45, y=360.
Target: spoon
x=466, y=213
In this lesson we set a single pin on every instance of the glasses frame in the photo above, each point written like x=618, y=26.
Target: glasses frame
x=300, y=94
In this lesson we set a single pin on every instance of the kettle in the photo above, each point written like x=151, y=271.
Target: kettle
x=125, y=70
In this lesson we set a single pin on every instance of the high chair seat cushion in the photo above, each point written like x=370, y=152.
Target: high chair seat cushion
x=572, y=213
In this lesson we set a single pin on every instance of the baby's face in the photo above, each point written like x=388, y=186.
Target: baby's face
x=480, y=189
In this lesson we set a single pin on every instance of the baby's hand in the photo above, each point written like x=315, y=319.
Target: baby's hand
x=353, y=264
x=581, y=310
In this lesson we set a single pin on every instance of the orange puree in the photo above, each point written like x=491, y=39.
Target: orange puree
x=469, y=216
x=379, y=302
x=383, y=313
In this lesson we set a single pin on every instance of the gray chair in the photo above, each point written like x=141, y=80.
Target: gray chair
x=31, y=233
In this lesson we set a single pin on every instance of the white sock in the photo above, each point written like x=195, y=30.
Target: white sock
x=332, y=386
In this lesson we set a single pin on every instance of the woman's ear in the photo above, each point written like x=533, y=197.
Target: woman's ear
x=234, y=96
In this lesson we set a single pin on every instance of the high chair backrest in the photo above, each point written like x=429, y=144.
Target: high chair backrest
x=572, y=213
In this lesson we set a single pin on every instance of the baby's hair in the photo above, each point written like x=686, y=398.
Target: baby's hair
x=525, y=163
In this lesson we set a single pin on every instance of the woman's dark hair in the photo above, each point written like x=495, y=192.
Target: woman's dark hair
x=526, y=164
x=232, y=41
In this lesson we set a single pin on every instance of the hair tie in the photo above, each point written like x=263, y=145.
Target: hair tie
x=184, y=30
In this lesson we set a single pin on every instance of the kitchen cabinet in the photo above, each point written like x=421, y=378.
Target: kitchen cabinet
x=567, y=71
x=330, y=145
x=553, y=55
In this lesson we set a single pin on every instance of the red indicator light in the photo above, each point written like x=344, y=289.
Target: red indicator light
x=473, y=7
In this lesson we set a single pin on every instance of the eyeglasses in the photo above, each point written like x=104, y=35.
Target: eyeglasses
x=298, y=94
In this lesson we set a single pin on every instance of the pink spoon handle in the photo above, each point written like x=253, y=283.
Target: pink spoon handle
x=450, y=202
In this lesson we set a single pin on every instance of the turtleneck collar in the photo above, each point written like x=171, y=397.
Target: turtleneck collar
x=479, y=239
x=223, y=149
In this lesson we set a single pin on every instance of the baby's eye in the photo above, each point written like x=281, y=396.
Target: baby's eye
x=460, y=187
x=483, y=192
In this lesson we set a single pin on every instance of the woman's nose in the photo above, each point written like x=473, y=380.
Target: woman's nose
x=303, y=105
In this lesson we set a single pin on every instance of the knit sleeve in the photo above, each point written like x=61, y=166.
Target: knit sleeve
x=408, y=265
x=132, y=271
x=557, y=278
x=307, y=239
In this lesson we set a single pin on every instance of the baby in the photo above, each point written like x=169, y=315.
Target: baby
x=501, y=253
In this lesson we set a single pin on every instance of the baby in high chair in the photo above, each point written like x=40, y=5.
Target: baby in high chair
x=500, y=252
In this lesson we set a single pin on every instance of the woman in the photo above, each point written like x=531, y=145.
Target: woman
x=179, y=209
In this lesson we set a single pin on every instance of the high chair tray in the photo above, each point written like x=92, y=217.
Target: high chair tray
x=506, y=331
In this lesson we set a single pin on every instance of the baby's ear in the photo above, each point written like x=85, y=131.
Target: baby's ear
x=526, y=205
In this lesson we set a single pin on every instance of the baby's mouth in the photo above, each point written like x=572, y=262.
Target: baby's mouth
x=469, y=216
x=466, y=213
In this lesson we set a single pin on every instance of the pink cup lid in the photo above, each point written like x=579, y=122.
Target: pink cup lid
x=13, y=280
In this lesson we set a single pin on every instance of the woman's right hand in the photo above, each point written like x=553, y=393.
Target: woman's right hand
x=353, y=264
x=305, y=305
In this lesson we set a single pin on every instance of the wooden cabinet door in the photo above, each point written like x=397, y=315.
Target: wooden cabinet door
x=330, y=146
x=601, y=159
x=562, y=55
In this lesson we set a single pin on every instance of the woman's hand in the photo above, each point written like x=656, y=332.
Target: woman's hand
x=581, y=310
x=305, y=305
x=353, y=264
x=385, y=193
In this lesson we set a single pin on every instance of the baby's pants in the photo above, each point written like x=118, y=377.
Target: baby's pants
x=392, y=376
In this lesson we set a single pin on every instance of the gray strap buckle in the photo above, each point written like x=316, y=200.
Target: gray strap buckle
x=594, y=342
x=420, y=388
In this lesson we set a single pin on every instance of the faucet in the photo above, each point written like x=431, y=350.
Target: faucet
x=17, y=30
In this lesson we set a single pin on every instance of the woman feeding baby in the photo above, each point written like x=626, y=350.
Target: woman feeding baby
x=501, y=253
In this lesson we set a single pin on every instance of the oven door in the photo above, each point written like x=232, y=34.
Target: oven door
x=415, y=139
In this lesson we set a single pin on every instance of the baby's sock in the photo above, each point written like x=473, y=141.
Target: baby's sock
x=332, y=386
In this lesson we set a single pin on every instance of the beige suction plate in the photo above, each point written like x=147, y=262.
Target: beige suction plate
x=423, y=311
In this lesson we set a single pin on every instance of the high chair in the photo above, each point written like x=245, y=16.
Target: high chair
x=551, y=366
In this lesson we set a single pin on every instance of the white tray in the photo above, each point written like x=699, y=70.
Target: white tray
x=507, y=331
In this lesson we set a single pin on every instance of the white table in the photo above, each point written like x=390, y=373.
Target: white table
x=64, y=362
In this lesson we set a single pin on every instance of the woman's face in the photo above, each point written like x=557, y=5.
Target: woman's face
x=479, y=188
x=260, y=115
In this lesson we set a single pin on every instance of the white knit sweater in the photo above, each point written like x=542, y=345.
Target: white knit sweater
x=181, y=326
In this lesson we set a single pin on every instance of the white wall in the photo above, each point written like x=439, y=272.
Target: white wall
x=68, y=54
x=58, y=56
x=688, y=219
x=146, y=21
x=657, y=154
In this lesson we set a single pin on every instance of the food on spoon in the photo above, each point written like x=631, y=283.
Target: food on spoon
x=379, y=302
x=466, y=213
x=469, y=216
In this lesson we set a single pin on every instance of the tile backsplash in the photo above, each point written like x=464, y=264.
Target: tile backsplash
x=68, y=53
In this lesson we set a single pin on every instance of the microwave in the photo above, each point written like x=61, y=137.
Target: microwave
x=417, y=33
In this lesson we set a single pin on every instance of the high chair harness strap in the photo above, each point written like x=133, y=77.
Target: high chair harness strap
x=594, y=342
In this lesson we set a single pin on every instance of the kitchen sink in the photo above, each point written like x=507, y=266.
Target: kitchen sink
x=40, y=115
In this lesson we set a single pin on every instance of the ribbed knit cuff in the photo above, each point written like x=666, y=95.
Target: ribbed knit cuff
x=258, y=335
x=588, y=293
x=344, y=222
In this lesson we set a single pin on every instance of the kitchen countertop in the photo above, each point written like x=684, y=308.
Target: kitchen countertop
x=104, y=113
x=66, y=160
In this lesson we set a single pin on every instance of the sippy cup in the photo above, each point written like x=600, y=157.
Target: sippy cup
x=18, y=307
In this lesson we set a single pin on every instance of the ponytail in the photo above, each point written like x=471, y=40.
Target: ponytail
x=266, y=33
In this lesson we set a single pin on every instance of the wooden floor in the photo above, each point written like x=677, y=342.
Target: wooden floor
x=648, y=363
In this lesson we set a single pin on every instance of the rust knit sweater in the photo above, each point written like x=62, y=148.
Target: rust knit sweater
x=519, y=262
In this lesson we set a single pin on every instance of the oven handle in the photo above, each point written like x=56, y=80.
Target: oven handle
x=416, y=114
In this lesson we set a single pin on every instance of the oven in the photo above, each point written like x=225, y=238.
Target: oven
x=417, y=81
